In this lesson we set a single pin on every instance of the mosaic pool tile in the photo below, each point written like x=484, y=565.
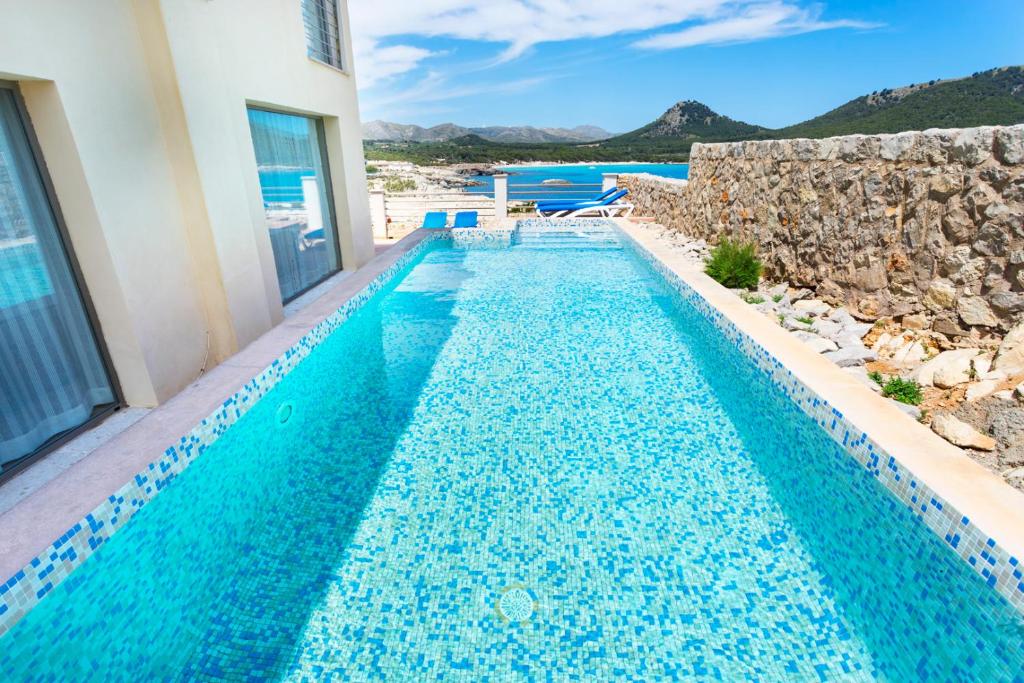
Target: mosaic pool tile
x=518, y=464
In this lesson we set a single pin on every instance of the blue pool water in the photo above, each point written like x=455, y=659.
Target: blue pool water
x=575, y=174
x=283, y=185
x=530, y=463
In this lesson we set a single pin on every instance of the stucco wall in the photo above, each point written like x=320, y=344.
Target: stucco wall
x=140, y=111
x=929, y=222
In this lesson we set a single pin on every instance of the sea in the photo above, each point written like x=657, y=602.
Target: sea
x=528, y=182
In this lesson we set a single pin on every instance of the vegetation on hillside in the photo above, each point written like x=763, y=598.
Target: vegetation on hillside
x=994, y=97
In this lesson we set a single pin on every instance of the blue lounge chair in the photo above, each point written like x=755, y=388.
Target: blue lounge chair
x=609, y=207
x=435, y=220
x=465, y=219
x=543, y=203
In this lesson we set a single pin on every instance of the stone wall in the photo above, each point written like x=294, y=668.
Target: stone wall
x=925, y=223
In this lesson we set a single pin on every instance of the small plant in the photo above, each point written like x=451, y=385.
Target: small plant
x=782, y=318
x=924, y=416
x=972, y=372
x=370, y=168
x=777, y=298
x=876, y=377
x=805, y=320
x=753, y=298
x=903, y=390
x=394, y=184
x=735, y=265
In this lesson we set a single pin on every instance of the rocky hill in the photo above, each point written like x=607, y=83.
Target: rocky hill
x=384, y=131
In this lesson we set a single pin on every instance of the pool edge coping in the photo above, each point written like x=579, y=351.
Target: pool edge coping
x=992, y=506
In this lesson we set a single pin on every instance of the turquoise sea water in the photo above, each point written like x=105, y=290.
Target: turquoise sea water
x=532, y=463
x=575, y=174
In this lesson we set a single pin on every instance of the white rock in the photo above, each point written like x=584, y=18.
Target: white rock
x=1004, y=395
x=961, y=434
x=1018, y=390
x=1010, y=357
x=951, y=375
x=848, y=340
x=882, y=341
x=861, y=373
x=911, y=411
x=842, y=316
x=812, y=307
x=793, y=324
x=957, y=361
x=849, y=356
x=911, y=353
x=826, y=328
x=981, y=389
x=815, y=342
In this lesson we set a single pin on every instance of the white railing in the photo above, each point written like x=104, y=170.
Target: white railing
x=404, y=210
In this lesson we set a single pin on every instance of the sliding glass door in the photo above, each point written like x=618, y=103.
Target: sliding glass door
x=295, y=184
x=52, y=375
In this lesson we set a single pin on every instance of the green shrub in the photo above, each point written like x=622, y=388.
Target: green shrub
x=777, y=298
x=805, y=320
x=903, y=390
x=753, y=299
x=370, y=168
x=735, y=265
x=876, y=377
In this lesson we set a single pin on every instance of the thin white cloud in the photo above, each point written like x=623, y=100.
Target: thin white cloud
x=387, y=33
x=756, y=22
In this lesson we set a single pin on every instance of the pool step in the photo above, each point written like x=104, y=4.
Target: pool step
x=555, y=237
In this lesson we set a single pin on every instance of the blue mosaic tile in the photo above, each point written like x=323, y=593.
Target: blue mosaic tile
x=462, y=490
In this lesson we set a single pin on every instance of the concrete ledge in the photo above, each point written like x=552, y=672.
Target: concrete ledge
x=32, y=524
x=992, y=505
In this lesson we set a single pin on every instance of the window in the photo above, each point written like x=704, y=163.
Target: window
x=323, y=32
x=53, y=378
x=295, y=184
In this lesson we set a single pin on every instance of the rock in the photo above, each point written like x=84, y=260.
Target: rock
x=910, y=353
x=882, y=342
x=793, y=325
x=917, y=321
x=826, y=328
x=1018, y=391
x=1004, y=395
x=981, y=389
x=953, y=364
x=778, y=290
x=911, y=411
x=954, y=374
x=858, y=329
x=961, y=434
x=1010, y=357
x=861, y=373
x=974, y=310
x=940, y=296
x=1009, y=145
x=813, y=307
x=799, y=295
x=815, y=342
x=848, y=340
x=868, y=308
x=1007, y=302
x=850, y=356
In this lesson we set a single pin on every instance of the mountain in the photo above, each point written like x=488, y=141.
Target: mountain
x=692, y=120
x=396, y=132
x=993, y=97
x=986, y=98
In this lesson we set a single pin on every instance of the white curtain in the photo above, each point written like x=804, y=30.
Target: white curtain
x=294, y=182
x=52, y=377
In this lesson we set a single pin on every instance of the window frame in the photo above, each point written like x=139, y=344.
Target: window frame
x=101, y=412
x=323, y=34
x=325, y=161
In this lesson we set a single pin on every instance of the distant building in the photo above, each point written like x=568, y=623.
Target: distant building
x=171, y=173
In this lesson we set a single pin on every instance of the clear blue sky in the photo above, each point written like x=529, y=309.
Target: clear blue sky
x=620, y=64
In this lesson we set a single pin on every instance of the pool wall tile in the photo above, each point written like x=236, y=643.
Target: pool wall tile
x=21, y=592
x=982, y=553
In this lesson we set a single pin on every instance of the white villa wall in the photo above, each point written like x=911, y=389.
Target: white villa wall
x=140, y=111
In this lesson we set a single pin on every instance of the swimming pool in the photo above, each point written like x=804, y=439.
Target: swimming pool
x=539, y=461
